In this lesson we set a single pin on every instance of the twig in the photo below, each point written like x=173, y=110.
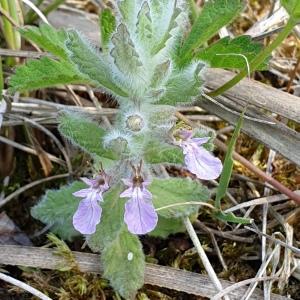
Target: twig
x=167, y=277
x=294, y=249
x=208, y=267
x=240, y=284
x=260, y=201
x=24, y=286
x=29, y=186
x=30, y=150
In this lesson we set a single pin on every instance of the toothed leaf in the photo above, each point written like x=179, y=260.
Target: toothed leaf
x=90, y=63
x=161, y=72
x=48, y=38
x=214, y=15
x=124, y=53
x=57, y=208
x=177, y=191
x=224, y=53
x=45, y=72
x=183, y=86
x=170, y=22
x=107, y=26
x=85, y=134
x=144, y=25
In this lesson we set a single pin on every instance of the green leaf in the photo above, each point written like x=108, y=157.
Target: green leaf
x=214, y=15
x=144, y=24
x=166, y=25
x=124, y=264
x=230, y=217
x=157, y=153
x=91, y=63
x=292, y=7
x=167, y=226
x=124, y=53
x=121, y=252
x=47, y=38
x=46, y=72
x=85, y=134
x=160, y=73
x=57, y=208
x=228, y=165
x=177, y=92
x=224, y=53
x=172, y=191
x=107, y=26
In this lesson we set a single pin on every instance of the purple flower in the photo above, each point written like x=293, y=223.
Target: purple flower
x=198, y=160
x=88, y=213
x=140, y=215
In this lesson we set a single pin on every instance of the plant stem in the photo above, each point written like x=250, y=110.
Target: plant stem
x=31, y=15
x=258, y=60
x=14, y=11
x=208, y=267
x=53, y=6
x=8, y=31
x=24, y=286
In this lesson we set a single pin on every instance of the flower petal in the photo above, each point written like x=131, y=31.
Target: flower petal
x=200, y=141
x=88, y=181
x=140, y=216
x=82, y=193
x=87, y=216
x=127, y=193
x=202, y=163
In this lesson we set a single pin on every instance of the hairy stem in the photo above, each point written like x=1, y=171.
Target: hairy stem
x=258, y=60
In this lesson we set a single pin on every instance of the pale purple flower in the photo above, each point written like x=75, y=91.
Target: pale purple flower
x=198, y=160
x=140, y=215
x=88, y=213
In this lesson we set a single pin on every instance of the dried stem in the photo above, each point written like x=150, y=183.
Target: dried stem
x=24, y=286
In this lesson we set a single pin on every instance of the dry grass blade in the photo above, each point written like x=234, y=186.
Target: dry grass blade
x=24, y=286
x=29, y=186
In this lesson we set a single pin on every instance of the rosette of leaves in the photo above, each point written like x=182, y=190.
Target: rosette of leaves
x=151, y=59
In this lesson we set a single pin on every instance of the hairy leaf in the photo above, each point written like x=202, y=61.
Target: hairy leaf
x=85, y=134
x=47, y=38
x=107, y=26
x=157, y=153
x=166, y=24
x=177, y=191
x=225, y=53
x=144, y=24
x=46, y=72
x=183, y=85
x=92, y=64
x=124, y=52
x=214, y=15
x=121, y=252
x=57, y=208
x=161, y=72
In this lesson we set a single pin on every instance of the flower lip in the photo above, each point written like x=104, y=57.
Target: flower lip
x=198, y=160
x=140, y=215
x=88, y=213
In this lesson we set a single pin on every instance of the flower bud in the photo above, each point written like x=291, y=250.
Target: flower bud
x=135, y=123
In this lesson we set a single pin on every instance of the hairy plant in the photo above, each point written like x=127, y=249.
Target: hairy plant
x=151, y=59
